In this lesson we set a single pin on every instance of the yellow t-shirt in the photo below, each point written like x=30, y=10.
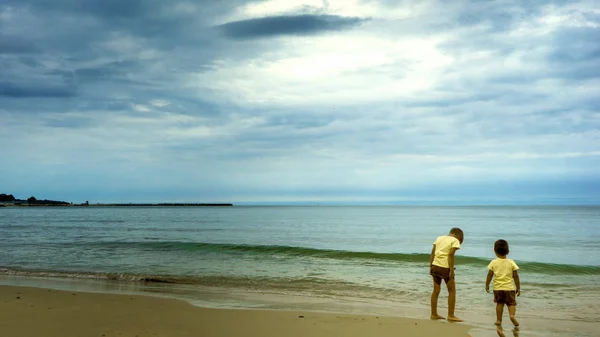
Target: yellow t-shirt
x=443, y=245
x=503, y=273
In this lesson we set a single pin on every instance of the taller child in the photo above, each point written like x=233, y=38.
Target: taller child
x=441, y=265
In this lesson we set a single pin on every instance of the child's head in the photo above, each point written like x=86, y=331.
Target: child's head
x=457, y=233
x=501, y=248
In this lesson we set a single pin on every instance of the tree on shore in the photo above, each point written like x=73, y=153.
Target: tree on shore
x=7, y=197
x=4, y=198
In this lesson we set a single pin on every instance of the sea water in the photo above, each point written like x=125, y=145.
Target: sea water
x=369, y=253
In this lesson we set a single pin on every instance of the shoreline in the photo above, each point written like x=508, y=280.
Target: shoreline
x=75, y=313
x=480, y=324
x=123, y=205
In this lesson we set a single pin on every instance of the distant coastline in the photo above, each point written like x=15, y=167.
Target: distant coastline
x=8, y=200
x=158, y=205
x=118, y=205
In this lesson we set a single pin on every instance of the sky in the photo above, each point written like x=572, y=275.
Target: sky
x=281, y=101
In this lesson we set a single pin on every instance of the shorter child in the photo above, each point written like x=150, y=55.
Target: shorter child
x=506, y=282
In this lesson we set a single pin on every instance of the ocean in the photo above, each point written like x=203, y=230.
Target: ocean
x=370, y=254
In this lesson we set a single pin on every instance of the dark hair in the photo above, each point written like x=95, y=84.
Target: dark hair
x=501, y=247
x=456, y=231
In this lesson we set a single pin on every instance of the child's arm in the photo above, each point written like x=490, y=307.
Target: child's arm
x=451, y=261
x=432, y=256
x=488, y=280
x=517, y=282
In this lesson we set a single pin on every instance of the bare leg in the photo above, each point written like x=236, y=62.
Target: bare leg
x=499, y=310
x=452, y=301
x=434, y=301
x=512, y=312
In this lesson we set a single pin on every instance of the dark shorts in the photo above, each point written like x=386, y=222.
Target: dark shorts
x=439, y=274
x=505, y=297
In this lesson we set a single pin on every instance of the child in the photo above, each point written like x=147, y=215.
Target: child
x=441, y=267
x=504, y=272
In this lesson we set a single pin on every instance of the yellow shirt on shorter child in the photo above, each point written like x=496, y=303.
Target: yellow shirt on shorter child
x=503, y=273
x=443, y=245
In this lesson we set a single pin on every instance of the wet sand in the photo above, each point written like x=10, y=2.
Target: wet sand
x=29, y=312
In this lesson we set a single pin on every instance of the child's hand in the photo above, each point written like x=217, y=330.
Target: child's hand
x=518, y=292
x=487, y=290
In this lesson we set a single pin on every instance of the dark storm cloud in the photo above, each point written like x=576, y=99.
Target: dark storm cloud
x=15, y=45
x=26, y=77
x=149, y=18
x=576, y=53
x=101, y=50
x=112, y=71
x=29, y=90
x=307, y=24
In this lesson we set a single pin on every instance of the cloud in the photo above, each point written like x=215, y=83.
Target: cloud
x=261, y=100
x=306, y=24
x=159, y=103
x=66, y=121
x=34, y=90
x=140, y=108
x=13, y=45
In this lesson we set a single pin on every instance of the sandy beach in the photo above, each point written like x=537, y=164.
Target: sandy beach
x=44, y=312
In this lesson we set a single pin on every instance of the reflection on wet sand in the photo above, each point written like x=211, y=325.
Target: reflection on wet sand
x=500, y=331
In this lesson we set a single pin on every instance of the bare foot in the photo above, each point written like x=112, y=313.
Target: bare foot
x=500, y=332
x=498, y=323
x=454, y=319
x=514, y=321
x=436, y=317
